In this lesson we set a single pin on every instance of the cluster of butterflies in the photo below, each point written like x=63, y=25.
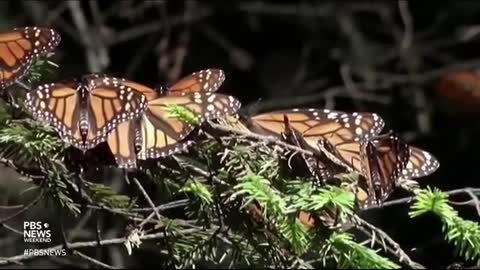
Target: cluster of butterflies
x=136, y=120
x=345, y=142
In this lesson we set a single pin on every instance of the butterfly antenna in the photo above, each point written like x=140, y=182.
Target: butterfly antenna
x=125, y=176
x=252, y=109
x=289, y=162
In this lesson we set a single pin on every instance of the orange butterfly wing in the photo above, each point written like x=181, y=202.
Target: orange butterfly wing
x=18, y=49
x=208, y=80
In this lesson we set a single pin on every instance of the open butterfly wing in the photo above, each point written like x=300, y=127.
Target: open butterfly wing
x=148, y=92
x=161, y=132
x=122, y=142
x=111, y=103
x=19, y=47
x=208, y=80
x=156, y=143
x=420, y=164
x=56, y=104
x=272, y=123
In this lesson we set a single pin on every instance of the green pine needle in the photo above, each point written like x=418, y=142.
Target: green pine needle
x=104, y=195
x=182, y=113
x=295, y=232
x=306, y=197
x=463, y=234
x=199, y=190
x=432, y=201
x=255, y=187
x=352, y=255
x=41, y=69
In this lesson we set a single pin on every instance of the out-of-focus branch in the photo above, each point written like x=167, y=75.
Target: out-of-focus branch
x=155, y=26
x=92, y=260
x=239, y=57
x=96, y=50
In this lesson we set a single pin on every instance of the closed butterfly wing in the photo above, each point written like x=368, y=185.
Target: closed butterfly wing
x=383, y=160
x=18, y=49
x=208, y=80
x=420, y=164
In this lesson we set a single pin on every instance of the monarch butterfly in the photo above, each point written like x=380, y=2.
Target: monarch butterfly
x=383, y=160
x=19, y=47
x=155, y=134
x=344, y=139
x=379, y=179
x=84, y=111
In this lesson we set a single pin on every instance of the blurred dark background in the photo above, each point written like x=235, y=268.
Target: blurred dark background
x=378, y=56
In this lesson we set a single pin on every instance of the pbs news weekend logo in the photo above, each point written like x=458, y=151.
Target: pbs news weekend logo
x=36, y=232
x=39, y=232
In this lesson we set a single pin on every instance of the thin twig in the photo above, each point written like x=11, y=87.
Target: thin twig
x=10, y=228
x=25, y=208
x=92, y=260
x=145, y=194
x=398, y=251
x=96, y=52
x=256, y=136
x=470, y=191
x=155, y=26
x=8, y=207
